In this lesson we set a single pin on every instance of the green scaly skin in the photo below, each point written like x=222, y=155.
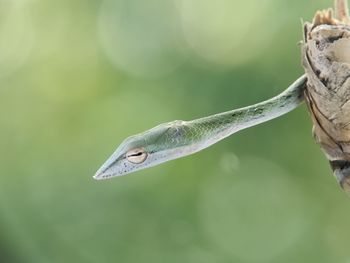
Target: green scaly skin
x=177, y=139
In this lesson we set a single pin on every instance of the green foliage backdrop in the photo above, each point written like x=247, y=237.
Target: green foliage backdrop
x=77, y=77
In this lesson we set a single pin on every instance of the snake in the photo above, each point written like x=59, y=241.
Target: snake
x=172, y=140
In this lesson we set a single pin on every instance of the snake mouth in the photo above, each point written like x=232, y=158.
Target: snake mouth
x=98, y=176
x=102, y=176
x=109, y=172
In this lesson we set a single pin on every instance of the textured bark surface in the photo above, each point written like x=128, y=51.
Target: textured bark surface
x=326, y=59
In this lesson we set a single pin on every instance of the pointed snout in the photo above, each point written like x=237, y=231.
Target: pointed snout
x=98, y=175
x=107, y=170
x=103, y=173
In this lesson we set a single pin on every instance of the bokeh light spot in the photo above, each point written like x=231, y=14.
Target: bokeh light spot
x=229, y=163
x=225, y=32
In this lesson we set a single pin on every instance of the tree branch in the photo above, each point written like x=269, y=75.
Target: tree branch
x=326, y=59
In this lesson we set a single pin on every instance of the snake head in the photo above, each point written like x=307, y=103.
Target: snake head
x=157, y=145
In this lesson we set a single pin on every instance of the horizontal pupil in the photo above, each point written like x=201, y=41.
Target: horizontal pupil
x=136, y=154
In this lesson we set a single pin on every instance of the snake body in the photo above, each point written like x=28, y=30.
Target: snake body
x=177, y=139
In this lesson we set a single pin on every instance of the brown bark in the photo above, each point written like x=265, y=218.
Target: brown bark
x=326, y=59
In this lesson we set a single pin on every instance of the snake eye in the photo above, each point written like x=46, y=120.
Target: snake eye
x=137, y=155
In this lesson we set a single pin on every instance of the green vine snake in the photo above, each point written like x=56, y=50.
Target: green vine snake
x=177, y=139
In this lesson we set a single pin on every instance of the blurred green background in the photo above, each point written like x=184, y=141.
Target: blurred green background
x=77, y=77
